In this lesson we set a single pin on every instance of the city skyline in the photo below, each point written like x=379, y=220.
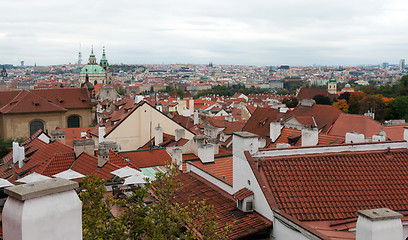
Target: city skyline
x=228, y=32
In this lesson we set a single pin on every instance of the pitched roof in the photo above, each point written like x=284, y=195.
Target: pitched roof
x=309, y=93
x=361, y=124
x=243, y=224
x=243, y=193
x=221, y=168
x=147, y=158
x=323, y=115
x=333, y=186
x=260, y=120
x=395, y=132
x=44, y=100
x=290, y=134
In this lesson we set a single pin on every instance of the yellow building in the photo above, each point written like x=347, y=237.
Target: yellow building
x=24, y=112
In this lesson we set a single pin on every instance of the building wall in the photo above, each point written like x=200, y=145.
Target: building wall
x=18, y=125
x=138, y=128
x=99, y=77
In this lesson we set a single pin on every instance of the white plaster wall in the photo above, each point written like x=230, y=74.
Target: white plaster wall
x=282, y=232
x=56, y=216
x=378, y=230
x=139, y=128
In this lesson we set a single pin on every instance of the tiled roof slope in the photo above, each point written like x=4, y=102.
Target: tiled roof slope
x=260, y=120
x=146, y=158
x=309, y=93
x=324, y=115
x=355, y=123
x=291, y=133
x=44, y=100
x=395, y=132
x=221, y=168
x=334, y=186
x=243, y=224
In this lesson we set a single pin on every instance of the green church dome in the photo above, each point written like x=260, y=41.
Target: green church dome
x=92, y=68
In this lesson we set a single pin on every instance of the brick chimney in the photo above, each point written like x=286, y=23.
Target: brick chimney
x=158, y=136
x=379, y=224
x=103, y=156
x=179, y=134
x=45, y=210
x=310, y=137
x=206, y=153
x=84, y=145
x=58, y=135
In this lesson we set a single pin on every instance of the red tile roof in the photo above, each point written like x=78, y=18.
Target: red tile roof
x=290, y=133
x=243, y=224
x=74, y=133
x=309, y=93
x=146, y=158
x=323, y=115
x=260, y=120
x=56, y=164
x=221, y=168
x=395, y=132
x=333, y=186
x=243, y=193
x=361, y=124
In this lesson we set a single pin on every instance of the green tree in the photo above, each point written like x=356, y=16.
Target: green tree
x=354, y=102
x=320, y=99
x=402, y=88
x=6, y=145
x=166, y=219
x=290, y=102
x=398, y=108
x=97, y=219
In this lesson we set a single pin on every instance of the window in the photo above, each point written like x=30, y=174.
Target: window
x=35, y=125
x=73, y=122
x=249, y=206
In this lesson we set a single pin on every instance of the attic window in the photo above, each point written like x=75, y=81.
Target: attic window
x=36, y=103
x=263, y=121
x=60, y=100
x=292, y=140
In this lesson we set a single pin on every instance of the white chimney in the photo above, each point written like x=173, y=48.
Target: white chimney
x=379, y=224
x=58, y=134
x=83, y=134
x=138, y=98
x=283, y=145
x=275, y=129
x=177, y=156
x=179, y=134
x=46, y=210
x=18, y=154
x=378, y=138
x=206, y=153
x=307, y=102
x=196, y=118
x=310, y=137
x=103, y=156
x=354, y=137
x=158, y=136
x=101, y=133
x=406, y=134
x=186, y=113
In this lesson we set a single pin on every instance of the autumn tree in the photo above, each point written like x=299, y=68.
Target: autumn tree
x=354, y=102
x=373, y=103
x=342, y=105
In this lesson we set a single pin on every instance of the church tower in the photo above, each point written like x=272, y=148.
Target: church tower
x=332, y=85
x=104, y=64
x=92, y=58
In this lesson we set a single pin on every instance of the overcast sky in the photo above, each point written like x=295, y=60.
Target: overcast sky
x=244, y=32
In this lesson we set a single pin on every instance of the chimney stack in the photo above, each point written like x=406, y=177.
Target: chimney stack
x=101, y=133
x=196, y=118
x=18, y=154
x=275, y=129
x=58, y=134
x=158, y=136
x=310, y=137
x=179, y=134
x=84, y=145
x=109, y=145
x=46, y=210
x=177, y=156
x=406, y=134
x=103, y=156
x=352, y=137
x=379, y=224
x=206, y=153
x=198, y=141
x=215, y=143
x=138, y=98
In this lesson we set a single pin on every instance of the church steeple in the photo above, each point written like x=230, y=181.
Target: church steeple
x=104, y=61
x=332, y=84
x=92, y=58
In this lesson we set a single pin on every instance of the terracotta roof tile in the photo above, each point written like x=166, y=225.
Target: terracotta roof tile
x=243, y=193
x=334, y=186
x=260, y=120
x=146, y=158
x=221, y=168
x=395, y=132
x=243, y=224
x=361, y=124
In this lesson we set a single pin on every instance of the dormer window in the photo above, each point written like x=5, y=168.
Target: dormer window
x=245, y=200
